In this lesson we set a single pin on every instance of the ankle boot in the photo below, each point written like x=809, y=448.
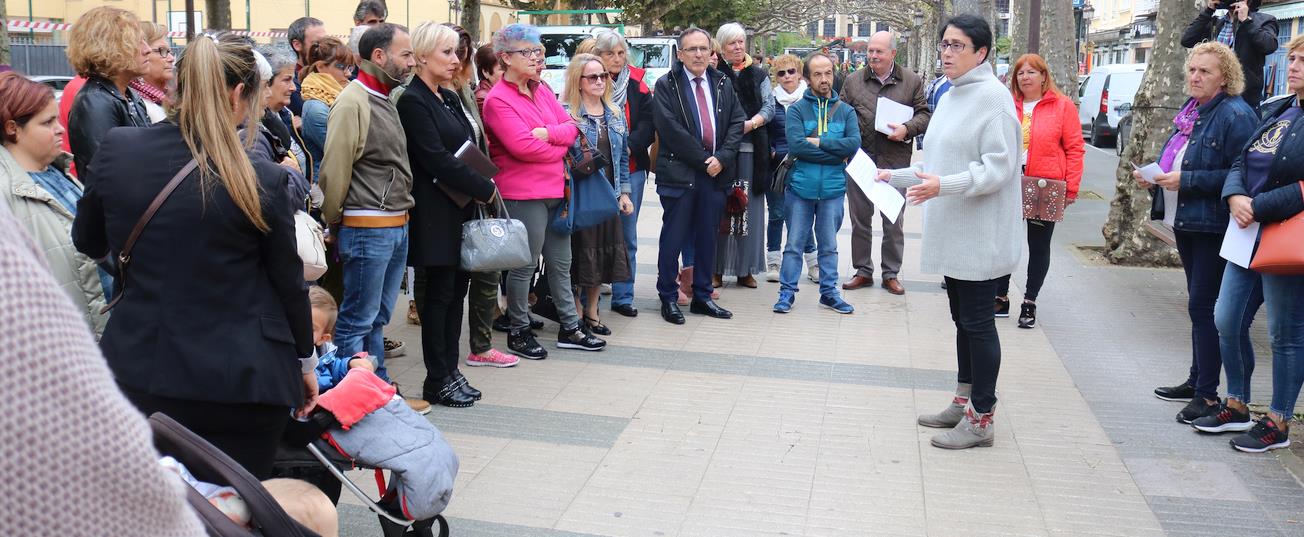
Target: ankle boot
x=975, y=430
x=451, y=395
x=466, y=385
x=953, y=413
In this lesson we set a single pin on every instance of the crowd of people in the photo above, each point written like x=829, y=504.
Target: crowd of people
x=172, y=225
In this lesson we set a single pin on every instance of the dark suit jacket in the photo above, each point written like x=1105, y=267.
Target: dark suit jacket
x=435, y=130
x=214, y=309
x=681, y=155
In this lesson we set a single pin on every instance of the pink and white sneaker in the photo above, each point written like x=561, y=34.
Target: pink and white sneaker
x=493, y=358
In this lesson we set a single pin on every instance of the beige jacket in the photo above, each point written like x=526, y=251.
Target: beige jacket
x=50, y=226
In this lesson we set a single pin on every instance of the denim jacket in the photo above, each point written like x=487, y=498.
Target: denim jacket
x=1280, y=198
x=314, y=116
x=1224, y=128
x=619, y=137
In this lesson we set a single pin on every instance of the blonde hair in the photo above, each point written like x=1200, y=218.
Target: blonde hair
x=104, y=42
x=587, y=46
x=429, y=36
x=152, y=31
x=572, y=94
x=206, y=73
x=784, y=61
x=1227, y=63
x=321, y=300
x=1294, y=44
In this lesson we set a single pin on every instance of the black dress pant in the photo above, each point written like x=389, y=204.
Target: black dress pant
x=247, y=432
x=977, y=344
x=440, y=296
x=1039, y=235
x=1204, y=271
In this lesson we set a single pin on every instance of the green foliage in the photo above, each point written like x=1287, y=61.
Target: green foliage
x=1003, y=47
x=709, y=14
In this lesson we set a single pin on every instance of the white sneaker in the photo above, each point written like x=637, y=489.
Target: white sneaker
x=812, y=266
x=772, y=262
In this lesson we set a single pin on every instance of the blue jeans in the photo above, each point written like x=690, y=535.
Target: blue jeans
x=1238, y=301
x=1286, y=330
x=801, y=215
x=372, y=261
x=774, y=226
x=623, y=292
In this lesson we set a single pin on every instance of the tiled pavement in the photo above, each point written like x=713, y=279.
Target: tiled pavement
x=803, y=424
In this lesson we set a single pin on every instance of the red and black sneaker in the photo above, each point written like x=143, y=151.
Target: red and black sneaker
x=1265, y=436
x=1227, y=419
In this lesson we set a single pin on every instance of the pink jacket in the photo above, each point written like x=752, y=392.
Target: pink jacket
x=529, y=168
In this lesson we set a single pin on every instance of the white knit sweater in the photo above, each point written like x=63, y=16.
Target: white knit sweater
x=973, y=230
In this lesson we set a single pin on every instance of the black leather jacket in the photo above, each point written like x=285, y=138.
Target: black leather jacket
x=98, y=108
x=1255, y=39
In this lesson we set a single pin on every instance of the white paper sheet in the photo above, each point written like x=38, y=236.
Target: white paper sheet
x=1170, y=206
x=884, y=197
x=888, y=111
x=1149, y=171
x=1238, y=244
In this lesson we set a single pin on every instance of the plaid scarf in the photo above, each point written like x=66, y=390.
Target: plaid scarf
x=149, y=92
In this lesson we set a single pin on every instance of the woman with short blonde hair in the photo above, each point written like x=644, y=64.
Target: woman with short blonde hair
x=107, y=48
x=153, y=83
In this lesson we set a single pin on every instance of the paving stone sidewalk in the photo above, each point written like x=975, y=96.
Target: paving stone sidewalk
x=804, y=424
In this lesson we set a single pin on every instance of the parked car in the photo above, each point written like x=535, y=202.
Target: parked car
x=1104, y=90
x=56, y=82
x=654, y=55
x=1124, y=126
x=559, y=44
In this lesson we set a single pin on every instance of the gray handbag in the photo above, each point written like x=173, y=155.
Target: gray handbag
x=494, y=244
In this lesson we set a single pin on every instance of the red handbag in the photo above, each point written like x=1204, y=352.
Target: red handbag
x=1281, y=246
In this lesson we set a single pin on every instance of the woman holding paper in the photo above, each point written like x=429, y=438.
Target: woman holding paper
x=968, y=182
x=1208, y=134
x=1264, y=187
x=1052, y=149
x=436, y=126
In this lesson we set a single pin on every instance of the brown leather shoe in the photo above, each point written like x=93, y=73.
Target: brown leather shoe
x=856, y=282
x=747, y=281
x=894, y=286
x=717, y=280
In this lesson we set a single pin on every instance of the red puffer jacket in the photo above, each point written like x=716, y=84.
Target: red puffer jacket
x=1056, y=149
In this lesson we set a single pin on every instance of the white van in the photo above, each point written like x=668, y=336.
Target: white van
x=1100, y=95
x=559, y=44
x=654, y=55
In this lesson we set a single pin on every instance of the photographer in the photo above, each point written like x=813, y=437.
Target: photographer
x=1251, y=34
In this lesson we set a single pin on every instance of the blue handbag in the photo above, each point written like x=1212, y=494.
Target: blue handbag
x=589, y=200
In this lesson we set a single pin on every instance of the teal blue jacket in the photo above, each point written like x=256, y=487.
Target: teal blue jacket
x=818, y=172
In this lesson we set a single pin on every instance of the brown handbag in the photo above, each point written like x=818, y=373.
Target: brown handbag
x=1281, y=246
x=1043, y=199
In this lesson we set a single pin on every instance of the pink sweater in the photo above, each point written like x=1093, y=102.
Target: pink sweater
x=529, y=168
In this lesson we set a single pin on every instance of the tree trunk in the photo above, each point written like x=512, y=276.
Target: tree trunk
x=1157, y=101
x=1058, y=44
x=471, y=19
x=4, y=37
x=218, y=15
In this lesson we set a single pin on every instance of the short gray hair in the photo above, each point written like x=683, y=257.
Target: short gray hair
x=679, y=40
x=730, y=32
x=608, y=40
x=279, y=57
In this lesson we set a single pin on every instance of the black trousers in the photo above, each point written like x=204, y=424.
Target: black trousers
x=1204, y=271
x=1039, y=235
x=247, y=432
x=977, y=344
x=440, y=296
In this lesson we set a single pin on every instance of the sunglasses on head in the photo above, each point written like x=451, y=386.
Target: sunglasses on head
x=786, y=72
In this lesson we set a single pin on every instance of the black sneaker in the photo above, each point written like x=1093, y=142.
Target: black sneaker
x=1027, y=315
x=578, y=338
x=504, y=324
x=1227, y=419
x=523, y=344
x=1002, y=307
x=1196, y=409
x=1264, y=436
x=1181, y=392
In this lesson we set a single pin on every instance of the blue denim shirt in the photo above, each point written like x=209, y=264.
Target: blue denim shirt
x=314, y=117
x=1217, y=139
x=618, y=134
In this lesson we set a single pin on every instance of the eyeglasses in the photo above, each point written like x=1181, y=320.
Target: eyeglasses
x=527, y=52
x=954, y=47
x=345, y=67
x=697, y=50
x=162, y=52
x=600, y=77
x=786, y=72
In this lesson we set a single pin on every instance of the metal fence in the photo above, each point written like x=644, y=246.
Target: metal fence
x=40, y=60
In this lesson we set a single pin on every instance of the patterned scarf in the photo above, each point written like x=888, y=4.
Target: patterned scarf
x=149, y=92
x=321, y=87
x=1184, y=122
x=620, y=88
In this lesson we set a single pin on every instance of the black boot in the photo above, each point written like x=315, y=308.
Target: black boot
x=466, y=385
x=451, y=394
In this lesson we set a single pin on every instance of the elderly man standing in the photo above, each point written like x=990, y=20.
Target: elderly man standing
x=881, y=78
x=303, y=32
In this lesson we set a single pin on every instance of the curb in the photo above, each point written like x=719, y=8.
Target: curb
x=1293, y=463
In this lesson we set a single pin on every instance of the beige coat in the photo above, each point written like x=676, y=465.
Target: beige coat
x=50, y=226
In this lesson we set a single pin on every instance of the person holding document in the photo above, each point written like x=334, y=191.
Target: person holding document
x=1052, y=149
x=887, y=141
x=1208, y=134
x=436, y=126
x=822, y=134
x=968, y=182
x=1264, y=187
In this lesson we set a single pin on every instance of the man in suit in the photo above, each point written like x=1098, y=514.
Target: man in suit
x=700, y=124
